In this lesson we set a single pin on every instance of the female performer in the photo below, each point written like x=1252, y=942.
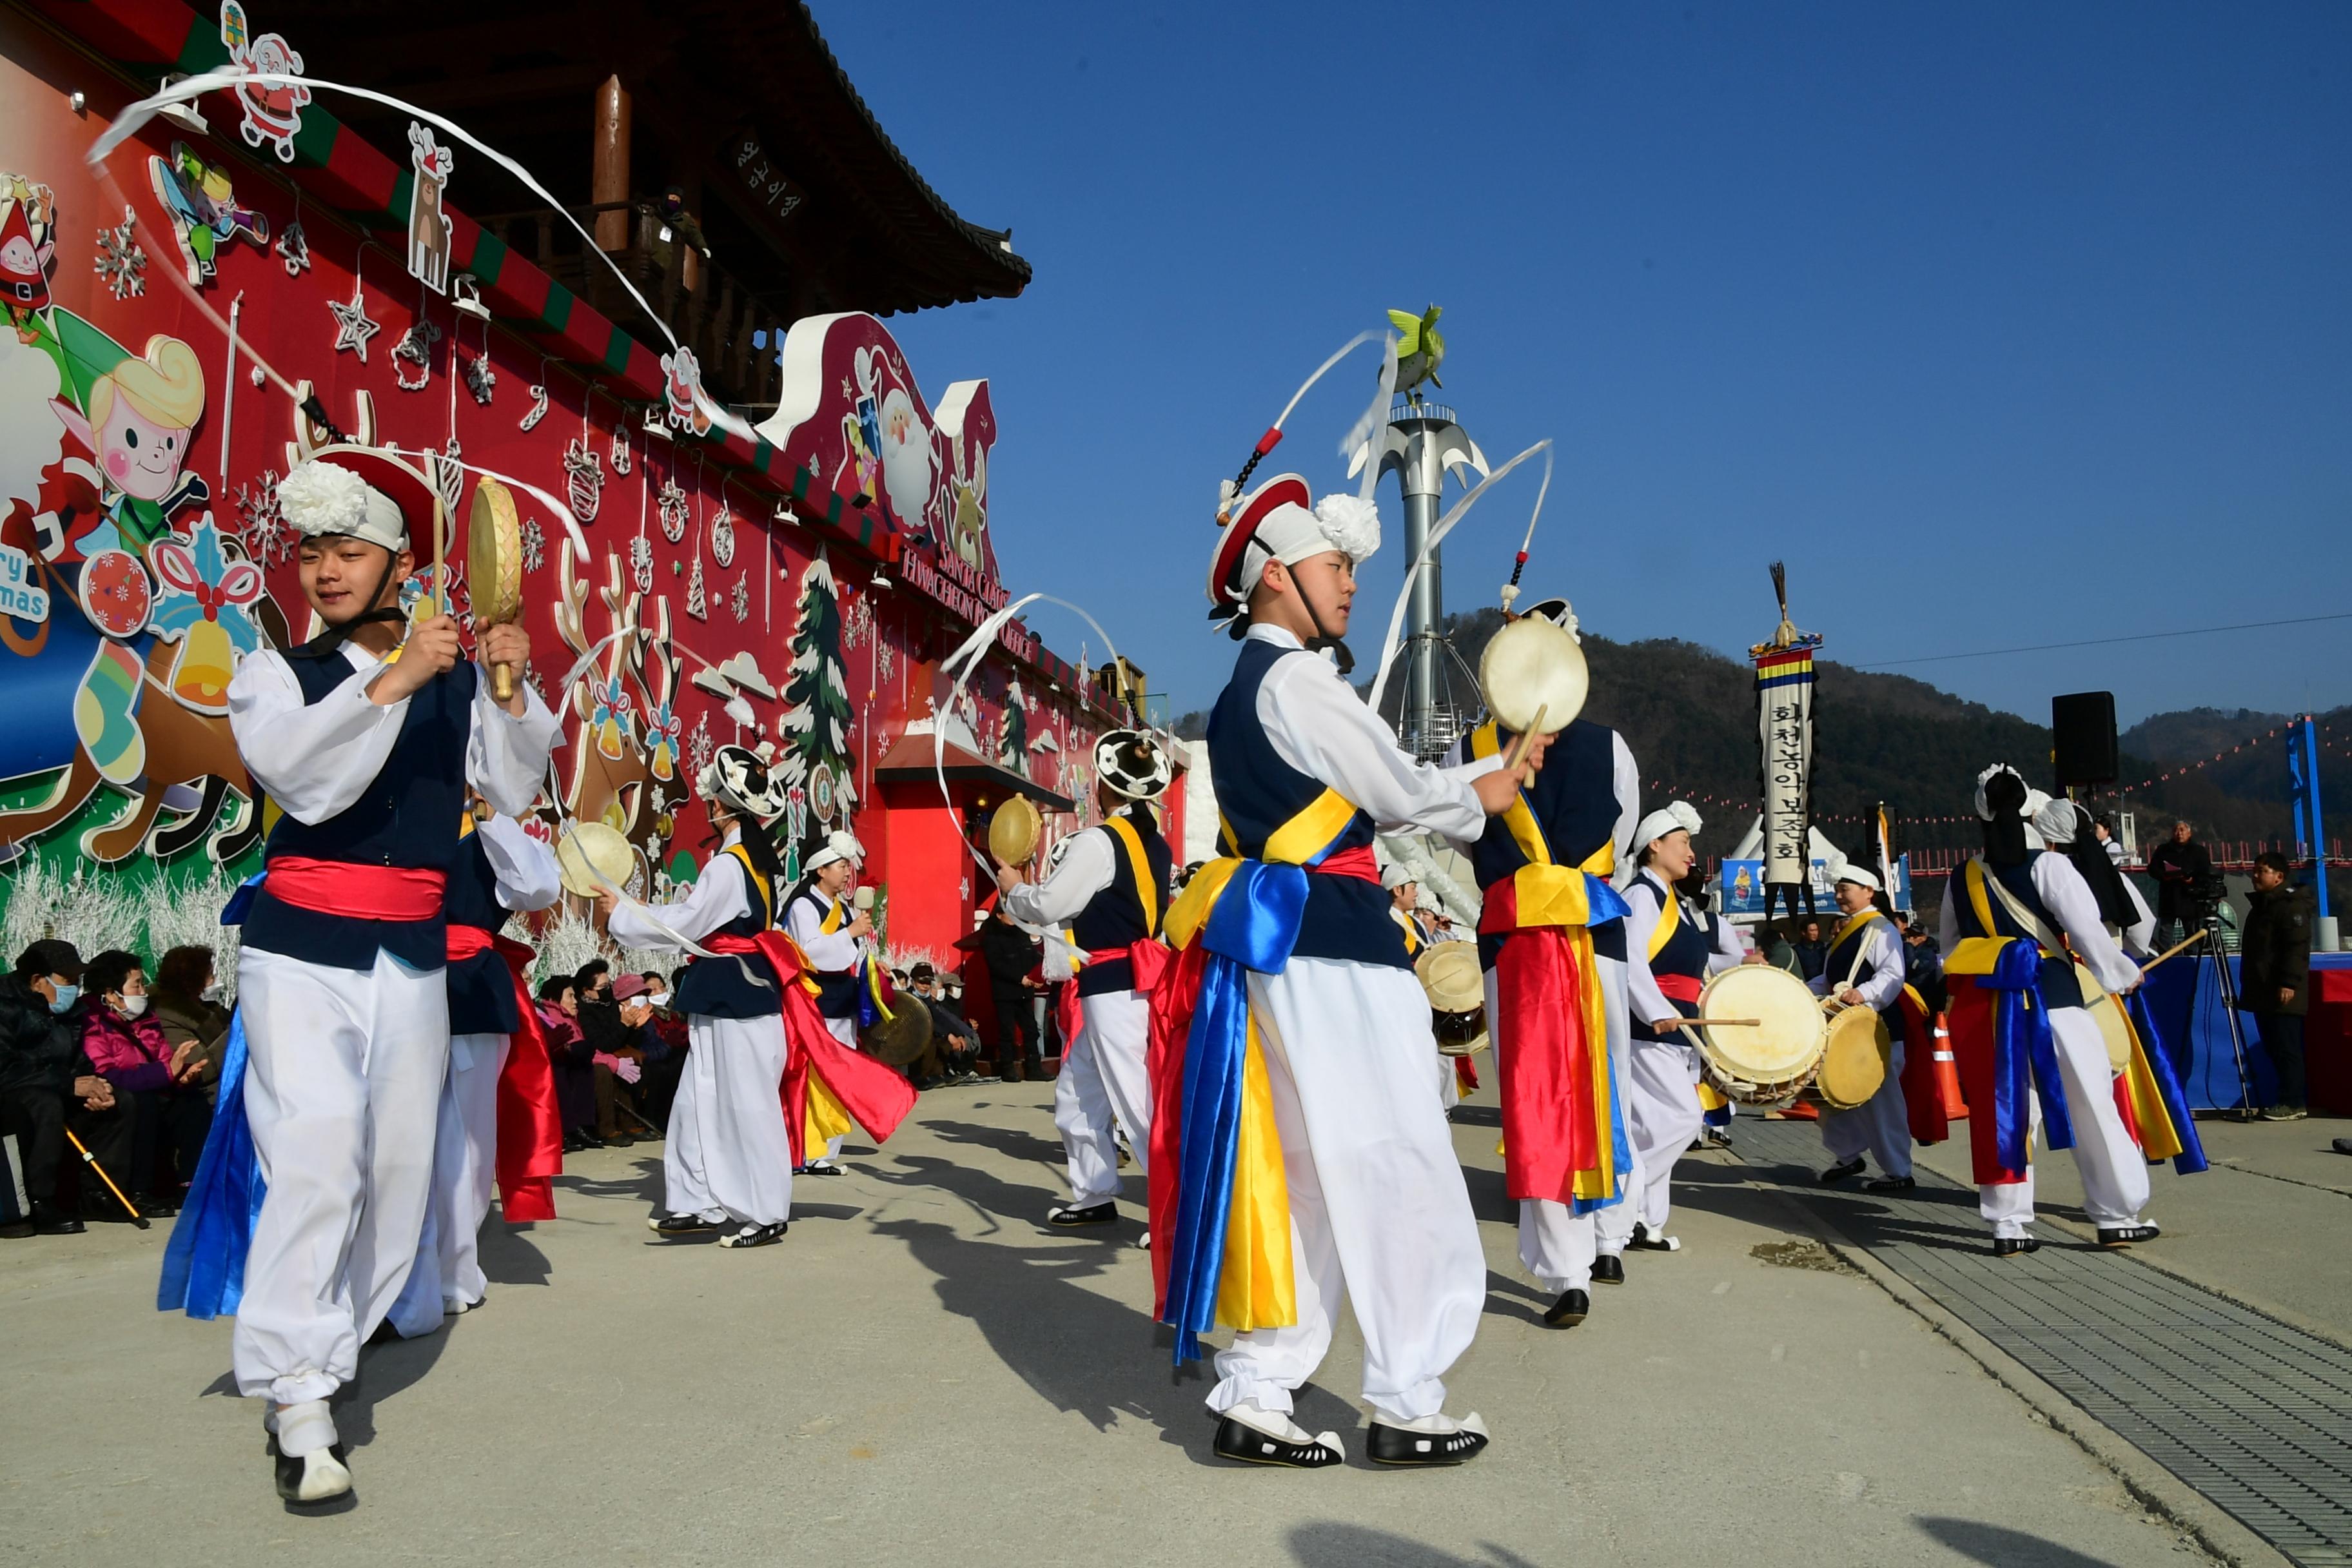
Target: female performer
x=832, y=936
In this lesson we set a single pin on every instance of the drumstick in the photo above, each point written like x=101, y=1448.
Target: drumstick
x=1720, y=1023
x=2170, y=952
x=91, y=1160
x=1519, y=747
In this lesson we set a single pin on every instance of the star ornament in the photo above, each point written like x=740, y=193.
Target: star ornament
x=352, y=328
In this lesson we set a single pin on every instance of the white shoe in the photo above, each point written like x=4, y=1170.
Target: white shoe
x=1277, y=1425
x=323, y=1478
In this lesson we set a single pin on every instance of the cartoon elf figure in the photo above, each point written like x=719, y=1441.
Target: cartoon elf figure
x=27, y=242
x=140, y=416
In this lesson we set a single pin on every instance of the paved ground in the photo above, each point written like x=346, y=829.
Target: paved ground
x=922, y=1375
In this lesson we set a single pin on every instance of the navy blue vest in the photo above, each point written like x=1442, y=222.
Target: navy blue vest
x=1115, y=917
x=1257, y=792
x=2060, y=986
x=407, y=817
x=836, y=989
x=720, y=987
x=482, y=988
x=1687, y=953
x=1574, y=800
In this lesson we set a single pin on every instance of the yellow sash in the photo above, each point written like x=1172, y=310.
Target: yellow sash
x=758, y=883
x=1670, y=915
x=1548, y=894
x=1405, y=923
x=1140, y=864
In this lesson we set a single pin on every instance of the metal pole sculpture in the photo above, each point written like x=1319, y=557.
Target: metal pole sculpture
x=1784, y=720
x=1423, y=445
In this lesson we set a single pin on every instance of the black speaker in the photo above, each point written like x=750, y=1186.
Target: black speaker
x=2083, y=737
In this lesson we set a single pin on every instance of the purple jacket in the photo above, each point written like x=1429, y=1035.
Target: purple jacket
x=129, y=1053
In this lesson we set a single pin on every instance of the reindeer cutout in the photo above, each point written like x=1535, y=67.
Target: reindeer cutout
x=611, y=773
x=429, y=227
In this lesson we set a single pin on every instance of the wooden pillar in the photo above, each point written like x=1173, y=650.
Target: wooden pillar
x=608, y=178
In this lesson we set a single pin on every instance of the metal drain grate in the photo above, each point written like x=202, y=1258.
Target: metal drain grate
x=2254, y=1413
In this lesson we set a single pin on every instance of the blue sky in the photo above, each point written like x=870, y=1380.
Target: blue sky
x=2002, y=325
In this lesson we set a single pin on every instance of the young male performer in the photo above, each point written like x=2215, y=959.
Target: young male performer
x=367, y=744
x=2014, y=924
x=1864, y=969
x=497, y=1116
x=1110, y=887
x=1294, y=1122
x=727, y=1160
x=833, y=937
x=1552, y=939
x=1668, y=960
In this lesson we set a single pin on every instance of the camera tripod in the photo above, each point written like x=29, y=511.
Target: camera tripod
x=2245, y=1110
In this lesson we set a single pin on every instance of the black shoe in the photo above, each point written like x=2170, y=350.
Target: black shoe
x=587, y=1140
x=757, y=1235
x=1397, y=1445
x=1644, y=1242
x=1063, y=1215
x=309, y=1479
x=2344, y=1145
x=1890, y=1185
x=1252, y=1446
x=2113, y=1236
x=1609, y=1270
x=1568, y=1310
x=615, y=1140
x=679, y=1225
x=2012, y=1246
x=1837, y=1174
x=820, y=1167
x=55, y=1222
x=385, y=1334
x=17, y=1230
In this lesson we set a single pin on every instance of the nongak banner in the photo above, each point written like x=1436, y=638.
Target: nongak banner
x=1784, y=720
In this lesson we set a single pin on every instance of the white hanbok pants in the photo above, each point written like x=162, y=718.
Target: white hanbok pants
x=1556, y=1245
x=1379, y=1213
x=2114, y=1171
x=1881, y=1126
x=727, y=1155
x=1612, y=1228
x=1104, y=1086
x=342, y=1086
x=1666, y=1117
x=448, y=1271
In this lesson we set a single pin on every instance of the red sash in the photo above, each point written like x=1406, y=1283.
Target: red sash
x=876, y=1097
x=1968, y=1021
x=1679, y=988
x=1548, y=1131
x=530, y=1124
x=362, y=893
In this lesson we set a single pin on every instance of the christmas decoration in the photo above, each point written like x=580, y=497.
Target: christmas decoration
x=583, y=472
x=481, y=379
x=722, y=538
x=120, y=262
x=699, y=746
x=674, y=512
x=262, y=527
x=739, y=599
x=620, y=459
x=682, y=392
x=205, y=606
x=293, y=248
x=815, y=729
x=534, y=544
x=203, y=208
x=272, y=112
x=641, y=563
x=428, y=225
x=538, y=408
x=416, y=347
x=353, y=327
x=448, y=473
x=697, y=605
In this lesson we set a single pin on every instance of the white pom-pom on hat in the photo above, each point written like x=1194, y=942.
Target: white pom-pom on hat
x=1352, y=524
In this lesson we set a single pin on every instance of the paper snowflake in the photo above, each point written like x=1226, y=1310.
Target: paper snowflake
x=858, y=623
x=641, y=563
x=534, y=544
x=673, y=512
x=698, y=745
x=120, y=260
x=261, y=525
x=740, y=599
x=697, y=603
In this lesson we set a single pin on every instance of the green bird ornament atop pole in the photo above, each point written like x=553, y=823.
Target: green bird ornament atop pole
x=1420, y=351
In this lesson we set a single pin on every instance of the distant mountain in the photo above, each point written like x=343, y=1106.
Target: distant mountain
x=1688, y=713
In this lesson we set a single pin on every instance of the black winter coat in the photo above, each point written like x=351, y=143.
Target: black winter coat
x=2274, y=950
x=37, y=1048
x=2178, y=869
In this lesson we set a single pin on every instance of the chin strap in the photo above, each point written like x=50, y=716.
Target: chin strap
x=1323, y=641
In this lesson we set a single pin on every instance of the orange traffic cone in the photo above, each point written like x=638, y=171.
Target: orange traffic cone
x=1947, y=1074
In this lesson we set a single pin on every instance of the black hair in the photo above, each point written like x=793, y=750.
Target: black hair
x=552, y=988
x=758, y=842
x=2273, y=860
x=180, y=973
x=2004, y=836
x=588, y=972
x=110, y=971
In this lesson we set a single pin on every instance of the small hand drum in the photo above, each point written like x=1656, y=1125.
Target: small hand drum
x=593, y=855
x=1533, y=677
x=1773, y=1059
x=1853, y=1060
x=494, y=568
x=1013, y=831
x=1457, y=989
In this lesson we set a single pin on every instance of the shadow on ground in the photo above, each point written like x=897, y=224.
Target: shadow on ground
x=1992, y=1544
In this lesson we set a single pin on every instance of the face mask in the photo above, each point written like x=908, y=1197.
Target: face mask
x=133, y=1005
x=213, y=992
x=657, y=998
x=66, y=997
